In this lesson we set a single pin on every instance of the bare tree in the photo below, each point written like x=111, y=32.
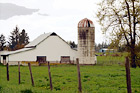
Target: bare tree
x=122, y=19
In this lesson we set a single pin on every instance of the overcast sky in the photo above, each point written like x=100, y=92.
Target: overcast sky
x=43, y=16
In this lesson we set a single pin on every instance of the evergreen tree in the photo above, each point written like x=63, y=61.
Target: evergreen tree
x=2, y=42
x=18, y=39
x=24, y=38
x=14, y=39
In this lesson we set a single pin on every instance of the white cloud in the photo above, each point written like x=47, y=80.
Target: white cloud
x=9, y=10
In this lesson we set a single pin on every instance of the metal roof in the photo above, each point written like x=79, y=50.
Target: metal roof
x=38, y=40
x=85, y=23
x=17, y=51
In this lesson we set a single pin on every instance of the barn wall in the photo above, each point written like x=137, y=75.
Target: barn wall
x=53, y=48
x=23, y=56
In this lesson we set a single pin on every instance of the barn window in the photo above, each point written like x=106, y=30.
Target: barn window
x=41, y=59
x=65, y=59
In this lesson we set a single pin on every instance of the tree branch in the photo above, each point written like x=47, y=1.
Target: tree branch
x=134, y=25
x=129, y=18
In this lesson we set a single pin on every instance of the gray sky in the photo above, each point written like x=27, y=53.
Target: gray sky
x=43, y=16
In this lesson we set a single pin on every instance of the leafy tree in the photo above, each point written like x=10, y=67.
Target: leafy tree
x=122, y=19
x=122, y=48
x=2, y=42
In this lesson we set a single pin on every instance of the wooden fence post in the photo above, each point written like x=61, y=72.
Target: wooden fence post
x=79, y=76
x=31, y=74
x=51, y=87
x=128, y=78
x=19, y=72
x=7, y=71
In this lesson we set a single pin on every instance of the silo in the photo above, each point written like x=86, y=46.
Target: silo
x=86, y=42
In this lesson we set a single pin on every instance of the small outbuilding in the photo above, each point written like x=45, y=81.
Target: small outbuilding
x=105, y=50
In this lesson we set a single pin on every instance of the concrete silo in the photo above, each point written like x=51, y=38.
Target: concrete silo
x=86, y=42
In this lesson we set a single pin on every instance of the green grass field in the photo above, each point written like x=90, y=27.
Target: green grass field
x=111, y=58
x=95, y=79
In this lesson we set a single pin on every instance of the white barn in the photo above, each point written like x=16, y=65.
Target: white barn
x=46, y=47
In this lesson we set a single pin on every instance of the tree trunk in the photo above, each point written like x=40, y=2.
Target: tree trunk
x=133, y=56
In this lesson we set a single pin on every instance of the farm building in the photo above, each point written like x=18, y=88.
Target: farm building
x=105, y=50
x=51, y=47
x=47, y=47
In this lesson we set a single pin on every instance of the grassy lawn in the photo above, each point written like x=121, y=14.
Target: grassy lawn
x=95, y=79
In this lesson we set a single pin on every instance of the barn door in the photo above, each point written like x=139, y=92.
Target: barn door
x=41, y=59
x=65, y=59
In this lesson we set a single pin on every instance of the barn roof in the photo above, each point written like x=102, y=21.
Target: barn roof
x=38, y=40
x=41, y=38
x=17, y=51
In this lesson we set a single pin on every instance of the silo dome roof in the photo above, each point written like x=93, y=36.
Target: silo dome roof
x=85, y=23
